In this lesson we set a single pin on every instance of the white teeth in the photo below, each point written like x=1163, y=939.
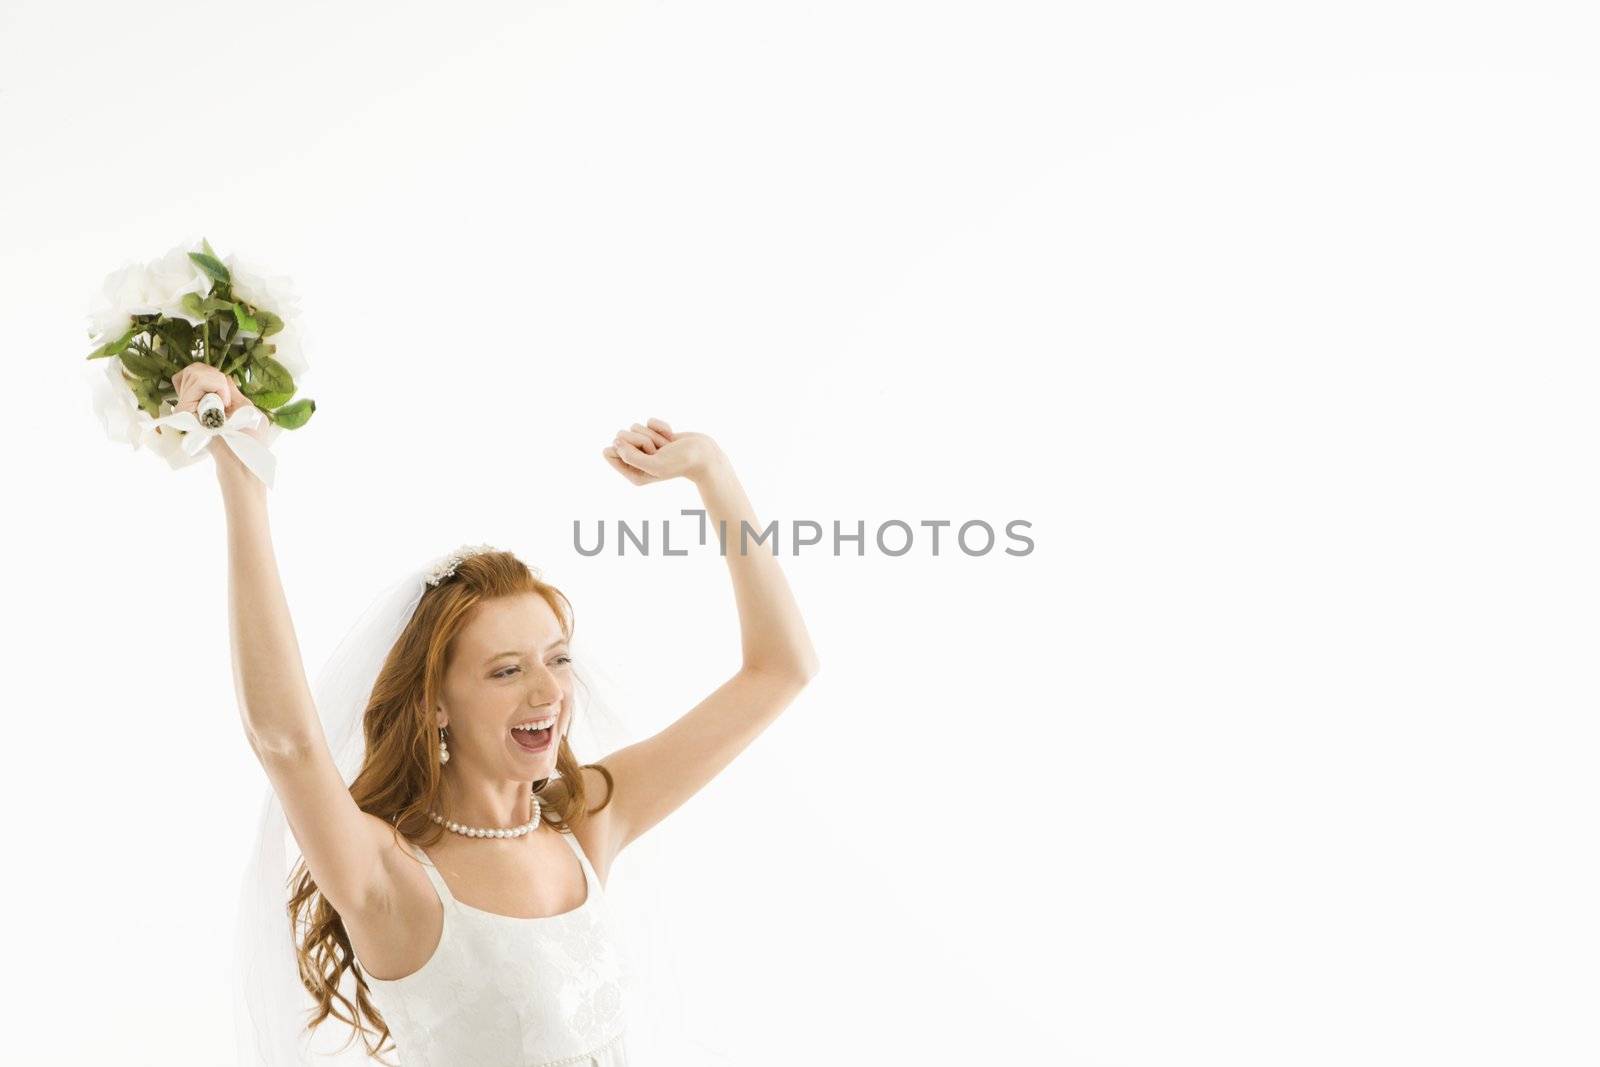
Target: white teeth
x=545, y=725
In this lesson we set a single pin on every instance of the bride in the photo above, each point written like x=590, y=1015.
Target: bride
x=460, y=875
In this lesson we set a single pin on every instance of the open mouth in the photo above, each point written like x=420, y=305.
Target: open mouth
x=534, y=740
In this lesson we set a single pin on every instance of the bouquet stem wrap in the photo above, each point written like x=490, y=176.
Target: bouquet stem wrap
x=234, y=431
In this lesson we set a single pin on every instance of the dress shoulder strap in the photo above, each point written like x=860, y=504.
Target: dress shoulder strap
x=589, y=876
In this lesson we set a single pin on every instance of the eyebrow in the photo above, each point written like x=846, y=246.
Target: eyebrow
x=558, y=642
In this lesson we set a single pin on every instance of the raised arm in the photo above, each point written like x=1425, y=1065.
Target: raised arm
x=343, y=845
x=657, y=775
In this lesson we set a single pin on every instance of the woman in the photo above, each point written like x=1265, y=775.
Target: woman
x=460, y=873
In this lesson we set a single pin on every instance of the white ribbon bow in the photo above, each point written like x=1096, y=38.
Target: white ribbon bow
x=251, y=452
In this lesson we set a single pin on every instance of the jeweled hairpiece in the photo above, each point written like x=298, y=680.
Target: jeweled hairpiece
x=446, y=566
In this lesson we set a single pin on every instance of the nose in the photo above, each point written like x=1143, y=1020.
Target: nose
x=548, y=689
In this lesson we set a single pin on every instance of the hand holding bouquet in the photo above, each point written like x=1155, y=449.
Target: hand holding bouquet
x=202, y=388
x=191, y=309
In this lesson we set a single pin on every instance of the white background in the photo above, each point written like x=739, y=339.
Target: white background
x=1276, y=322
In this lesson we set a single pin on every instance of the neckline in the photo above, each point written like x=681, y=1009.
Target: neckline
x=583, y=865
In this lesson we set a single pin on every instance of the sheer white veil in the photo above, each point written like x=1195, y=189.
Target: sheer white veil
x=272, y=1006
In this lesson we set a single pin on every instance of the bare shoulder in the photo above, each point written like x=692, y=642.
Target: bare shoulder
x=596, y=832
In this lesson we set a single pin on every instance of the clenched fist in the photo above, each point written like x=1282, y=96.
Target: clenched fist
x=198, y=379
x=653, y=453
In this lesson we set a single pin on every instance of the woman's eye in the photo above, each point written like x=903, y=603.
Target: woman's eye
x=507, y=672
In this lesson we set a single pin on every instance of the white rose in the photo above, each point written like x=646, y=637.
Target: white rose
x=119, y=412
x=276, y=294
x=125, y=421
x=157, y=287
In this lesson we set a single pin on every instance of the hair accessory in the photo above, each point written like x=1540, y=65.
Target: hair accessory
x=445, y=566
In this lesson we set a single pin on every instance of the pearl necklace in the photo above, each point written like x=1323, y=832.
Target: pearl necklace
x=477, y=831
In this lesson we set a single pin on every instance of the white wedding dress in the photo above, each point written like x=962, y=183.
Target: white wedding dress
x=501, y=991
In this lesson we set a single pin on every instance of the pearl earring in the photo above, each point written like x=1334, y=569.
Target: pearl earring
x=444, y=751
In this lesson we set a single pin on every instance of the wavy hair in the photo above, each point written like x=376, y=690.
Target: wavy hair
x=400, y=779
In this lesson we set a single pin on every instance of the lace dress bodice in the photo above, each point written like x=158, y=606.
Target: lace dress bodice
x=501, y=991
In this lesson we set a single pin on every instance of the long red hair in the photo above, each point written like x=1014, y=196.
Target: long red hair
x=400, y=779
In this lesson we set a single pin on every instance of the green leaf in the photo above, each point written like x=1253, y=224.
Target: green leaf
x=268, y=401
x=247, y=322
x=168, y=362
x=212, y=266
x=233, y=364
x=147, y=394
x=178, y=339
x=149, y=368
x=194, y=304
x=113, y=347
x=293, y=416
x=270, y=323
x=267, y=375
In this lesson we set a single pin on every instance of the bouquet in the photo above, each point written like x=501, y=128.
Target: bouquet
x=193, y=307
